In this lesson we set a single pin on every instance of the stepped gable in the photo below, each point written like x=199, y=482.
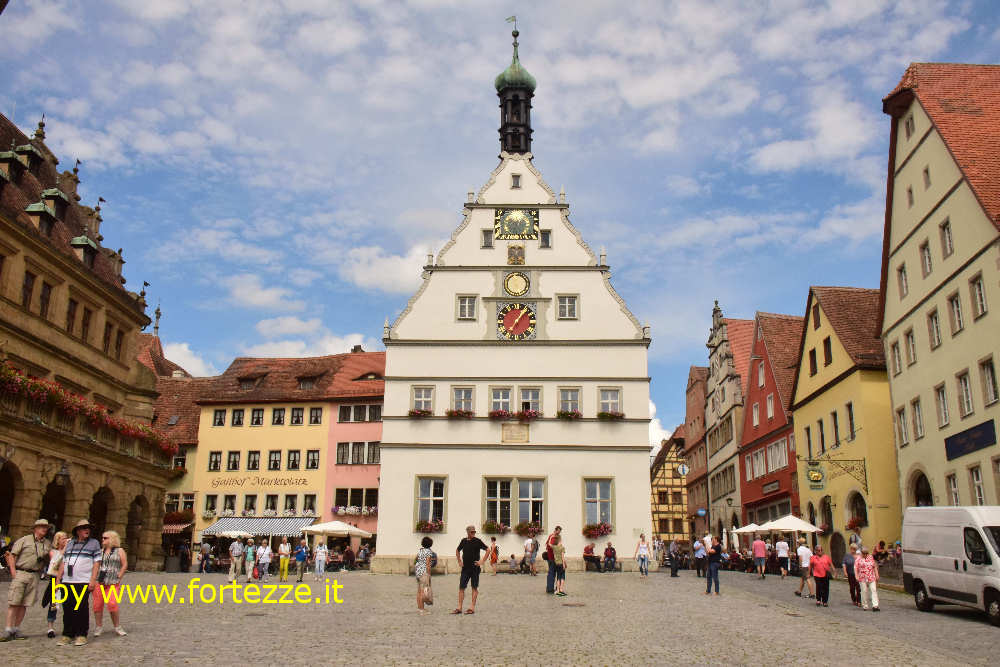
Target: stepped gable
x=963, y=102
x=782, y=334
x=740, y=334
x=150, y=355
x=853, y=314
x=27, y=189
x=280, y=379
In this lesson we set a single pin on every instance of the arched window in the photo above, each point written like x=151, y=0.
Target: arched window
x=859, y=509
x=922, y=495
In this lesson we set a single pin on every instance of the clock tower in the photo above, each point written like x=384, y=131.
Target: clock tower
x=517, y=388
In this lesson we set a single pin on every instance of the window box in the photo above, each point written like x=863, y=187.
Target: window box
x=593, y=530
x=459, y=414
x=208, y=514
x=248, y=513
x=177, y=473
x=500, y=415
x=613, y=416
x=528, y=415
x=269, y=513
x=491, y=527
x=371, y=510
x=227, y=512
x=290, y=513
x=432, y=526
x=348, y=510
x=419, y=414
x=569, y=415
x=528, y=528
x=856, y=522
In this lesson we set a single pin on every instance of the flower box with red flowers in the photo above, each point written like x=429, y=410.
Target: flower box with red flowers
x=527, y=415
x=824, y=529
x=491, y=527
x=459, y=414
x=528, y=528
x=500, y=415
x=569, y=415
x=593, y=530
x=419, y=414
x=432, y=526
x=856, y=522
x=612, y=416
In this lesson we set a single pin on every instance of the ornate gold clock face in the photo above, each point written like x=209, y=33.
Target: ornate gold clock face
x=516, y=224
x=515, y=321
x=516, y=283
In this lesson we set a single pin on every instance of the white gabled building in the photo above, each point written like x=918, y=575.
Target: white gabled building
x=515, y=313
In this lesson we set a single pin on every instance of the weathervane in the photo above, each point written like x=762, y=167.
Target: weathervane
x=512, y=19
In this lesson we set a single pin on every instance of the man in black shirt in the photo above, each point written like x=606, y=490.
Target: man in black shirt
x=467, y=554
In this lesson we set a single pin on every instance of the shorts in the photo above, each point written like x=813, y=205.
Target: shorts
x=805, y=572
x=560, y=573
x=468, y=574
x=759, y=562
x=113, y=598
x=24, y=589
x=783, y=563
x=424, y=580
x=531, y=558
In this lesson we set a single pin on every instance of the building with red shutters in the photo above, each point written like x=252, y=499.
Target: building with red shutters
x=768, y=484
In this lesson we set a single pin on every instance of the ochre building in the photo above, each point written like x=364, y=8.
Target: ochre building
x=668, y=498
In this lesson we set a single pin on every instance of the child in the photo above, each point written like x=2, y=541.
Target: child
x=513, y=565
x=559, y=558
x=422, y=570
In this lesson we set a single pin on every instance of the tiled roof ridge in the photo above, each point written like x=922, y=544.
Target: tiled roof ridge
x=782, y=349
x=909, y=80
x=785, y=316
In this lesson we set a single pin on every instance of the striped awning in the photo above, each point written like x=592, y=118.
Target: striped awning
x=174, y=528
x=260, y=525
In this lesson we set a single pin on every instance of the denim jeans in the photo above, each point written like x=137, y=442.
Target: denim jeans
x=319, y=566
x=713, y=575
x=550, y=581
x=644, y=564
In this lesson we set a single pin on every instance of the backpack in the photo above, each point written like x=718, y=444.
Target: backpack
x=434, y=559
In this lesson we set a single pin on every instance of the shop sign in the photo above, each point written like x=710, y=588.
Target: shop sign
x=257, y=480
x=816, y=477
x=514, y=432
x=970, y=440
x=701, y=511
x=770, y=487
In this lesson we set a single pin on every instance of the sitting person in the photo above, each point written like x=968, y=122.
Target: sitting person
x=610, y=558
x=348, y=558
x=589, y=557
x=513, y=564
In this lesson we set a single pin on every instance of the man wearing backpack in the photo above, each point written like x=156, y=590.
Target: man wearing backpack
x=550, y=582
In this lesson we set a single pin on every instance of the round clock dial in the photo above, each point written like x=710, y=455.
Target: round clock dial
x=516, y=283
x=516, y=321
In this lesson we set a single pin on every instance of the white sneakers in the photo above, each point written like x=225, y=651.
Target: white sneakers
x=120, y=630
x=98, y=630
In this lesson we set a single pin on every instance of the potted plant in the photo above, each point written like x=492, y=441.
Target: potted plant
x=824, y=529
x=592, y=530
x=569, y=415
x=528, y=528
x=248, y=513
x=612, y=416
x=176, y=473
x=491, y=527
x=459, y=414
x=856, y=522
x=289, y=513
x=269, y=512
x=419, y=414
x=528, y=415
x=432, y=526
x=228, y=512
x=208, y=514
x=500, y=415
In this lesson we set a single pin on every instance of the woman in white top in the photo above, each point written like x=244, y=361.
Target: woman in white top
x=284, y=551
x=55, y=560
x=320, y=553
x=642, y=554
x=264, y=559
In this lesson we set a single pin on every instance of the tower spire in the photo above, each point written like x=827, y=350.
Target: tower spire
x=515, y=88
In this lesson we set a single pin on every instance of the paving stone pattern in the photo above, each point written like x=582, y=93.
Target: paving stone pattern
x=605, y=619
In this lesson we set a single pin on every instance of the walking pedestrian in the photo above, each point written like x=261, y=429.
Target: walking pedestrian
x=249, y=558
x=559, y=558
x=467, y=554
x=866, y=572
x=781, y=547
x=81, y=561
x=114, y=565
x=206, y=551
x=804, y=554
x=27, y=559
x=301, y=556
x=675, y=557
x=264, y=555
x=852, y=580
x=236, y=554
x=284, y=552
x=714, y=563
x=321, y=554
x=184, y=553
x=700, y=555
x=493, y=554
x=759, y=549
x=550, y=580
x=529, y=555
x=52, y=578
x=822, y=571
x=422, y=570
x=642, y=554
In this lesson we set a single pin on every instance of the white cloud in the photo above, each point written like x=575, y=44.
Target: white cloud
x=189, y=360
x=685, y=186
x=657, y=434
x=247, y=290
x=372, y=267
x=323, y=345
x=288, y=326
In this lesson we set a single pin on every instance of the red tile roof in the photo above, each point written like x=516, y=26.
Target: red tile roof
x=963, y=102
x=740, y=334
x=27, y=190
x=177, y=403
x=151, y=356
x=853, y=314
x=339, y=376
x=782, y=334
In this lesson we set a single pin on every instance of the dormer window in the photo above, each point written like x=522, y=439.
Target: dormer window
x=307, y=383
x=246, y=384
x=89, y=255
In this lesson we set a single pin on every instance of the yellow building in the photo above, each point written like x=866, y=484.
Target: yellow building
x=940, y=275
x=843, y=421
x=669, y=490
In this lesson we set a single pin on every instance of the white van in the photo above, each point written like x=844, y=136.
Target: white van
x=951, y=555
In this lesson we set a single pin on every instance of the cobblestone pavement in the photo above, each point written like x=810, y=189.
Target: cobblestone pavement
x=606, y=619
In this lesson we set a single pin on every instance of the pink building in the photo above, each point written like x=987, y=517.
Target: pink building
x=352, y=477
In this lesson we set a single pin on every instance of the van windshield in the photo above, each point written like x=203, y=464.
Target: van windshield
x=993, y=532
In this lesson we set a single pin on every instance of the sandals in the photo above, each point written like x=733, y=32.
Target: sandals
x=456, y=611
x=470, y=610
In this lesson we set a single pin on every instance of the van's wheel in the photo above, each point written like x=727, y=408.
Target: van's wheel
x=923, y=602
x=993, y=607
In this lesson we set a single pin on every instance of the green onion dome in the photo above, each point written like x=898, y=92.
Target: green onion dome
x=515, y=76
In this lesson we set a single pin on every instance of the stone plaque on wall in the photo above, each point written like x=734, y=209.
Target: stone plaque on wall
x=514, y=432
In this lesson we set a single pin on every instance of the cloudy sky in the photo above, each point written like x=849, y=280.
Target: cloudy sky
x=278, y=170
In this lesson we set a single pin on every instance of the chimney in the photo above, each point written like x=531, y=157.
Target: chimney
x=356, y=349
